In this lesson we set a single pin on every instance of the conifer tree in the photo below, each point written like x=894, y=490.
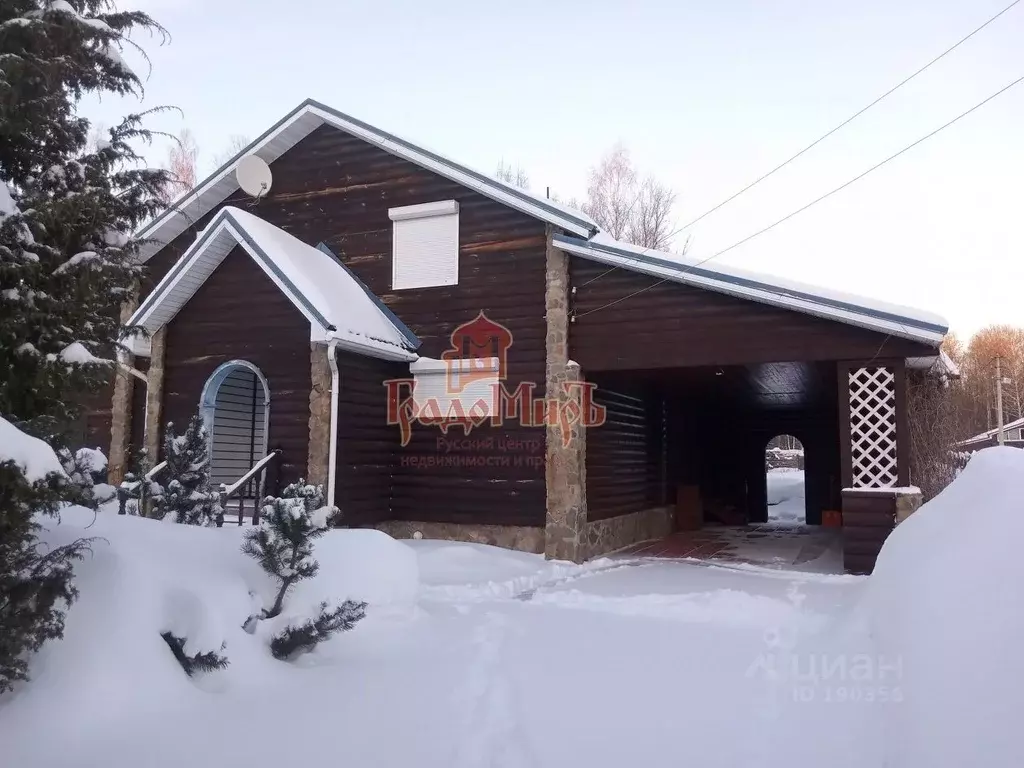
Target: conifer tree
x=66, y=262
x=283, y=545
x=187, y=497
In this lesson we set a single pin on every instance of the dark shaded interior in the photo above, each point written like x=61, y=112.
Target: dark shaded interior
x=708, y=427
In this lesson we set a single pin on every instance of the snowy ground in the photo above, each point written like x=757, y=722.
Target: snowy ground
x=786, y=501
x=474, y=656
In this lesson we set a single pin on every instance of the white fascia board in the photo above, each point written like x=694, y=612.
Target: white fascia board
x=450, y=171
x=207, y=197
x=176, y=274
x=781, y=299
x=366, y=346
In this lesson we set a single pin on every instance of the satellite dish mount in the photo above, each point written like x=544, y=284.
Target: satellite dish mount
x=254, y=176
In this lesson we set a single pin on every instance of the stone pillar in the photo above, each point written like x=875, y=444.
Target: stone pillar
x=565, y=471
x=120, y=424
x=155, y=393
x=121, y=410
x=319, y=416
x=908, y=501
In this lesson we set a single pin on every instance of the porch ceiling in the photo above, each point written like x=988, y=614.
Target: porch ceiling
x=771, y=386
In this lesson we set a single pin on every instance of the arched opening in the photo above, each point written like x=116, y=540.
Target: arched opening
x=235, y=406
x=784, y=480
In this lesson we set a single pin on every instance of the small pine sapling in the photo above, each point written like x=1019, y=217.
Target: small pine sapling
x=283, y=545
x=200, y=662
x=136, y=494
x=188, y=497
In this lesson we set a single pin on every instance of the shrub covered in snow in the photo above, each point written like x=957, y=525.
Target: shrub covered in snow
x=188, y=497
x=296, y=639
x=136, y=494
x=87, y=468
x=35, y=583
x=283, y=545
x=207, y=661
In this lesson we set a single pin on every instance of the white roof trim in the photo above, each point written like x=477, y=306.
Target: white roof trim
x=851, y=310
x=335, y=304
x=989, y=434
x=306, y=118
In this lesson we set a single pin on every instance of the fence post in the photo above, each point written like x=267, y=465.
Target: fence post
x=222, y=498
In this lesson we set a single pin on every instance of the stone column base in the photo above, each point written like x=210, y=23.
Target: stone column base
x=521, y=537
x=604, y=536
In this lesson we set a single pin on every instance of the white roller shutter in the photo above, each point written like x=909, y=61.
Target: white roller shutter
x=238, y=426
x=426, y=245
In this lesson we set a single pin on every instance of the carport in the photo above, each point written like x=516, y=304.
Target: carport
x=700, y=368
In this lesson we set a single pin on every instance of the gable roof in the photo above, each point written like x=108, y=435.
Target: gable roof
x=306, y=118
x=896, y=320
x=336, y=305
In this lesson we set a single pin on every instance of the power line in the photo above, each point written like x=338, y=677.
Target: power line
x=814, y=202
x=816, y=142
x=851, y=118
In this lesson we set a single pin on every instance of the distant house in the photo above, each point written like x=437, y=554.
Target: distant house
x=454, y=356
x=1013, y=434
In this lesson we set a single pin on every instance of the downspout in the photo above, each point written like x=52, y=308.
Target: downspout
x=332, y=361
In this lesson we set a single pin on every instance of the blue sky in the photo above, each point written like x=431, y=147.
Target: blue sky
x=706, y=95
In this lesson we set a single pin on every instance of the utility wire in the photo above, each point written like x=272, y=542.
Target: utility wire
x=817, y=141
x=814, y=202
x=851, y=118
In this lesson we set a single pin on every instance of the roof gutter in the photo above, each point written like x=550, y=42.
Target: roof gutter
x=332, y=469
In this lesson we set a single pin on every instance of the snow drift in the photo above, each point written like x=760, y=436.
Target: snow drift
x=145, y=577
x=945, y=605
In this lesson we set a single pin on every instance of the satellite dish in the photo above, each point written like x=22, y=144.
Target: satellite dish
x=253, y=175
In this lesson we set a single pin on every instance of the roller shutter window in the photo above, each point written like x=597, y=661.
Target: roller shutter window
x=425, y=245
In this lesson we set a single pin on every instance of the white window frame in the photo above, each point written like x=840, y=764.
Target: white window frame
x=440, y=208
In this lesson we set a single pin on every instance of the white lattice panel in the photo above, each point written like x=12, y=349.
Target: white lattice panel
x=873, y=427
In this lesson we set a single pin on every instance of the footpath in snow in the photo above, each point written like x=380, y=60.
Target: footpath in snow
x=476, y=656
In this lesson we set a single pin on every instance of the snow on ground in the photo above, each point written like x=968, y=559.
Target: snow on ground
x=786, y=494
x=475, y=656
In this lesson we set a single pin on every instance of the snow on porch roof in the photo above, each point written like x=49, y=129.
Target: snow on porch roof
x=896, y=320
x=334, y=302
x=301, y=122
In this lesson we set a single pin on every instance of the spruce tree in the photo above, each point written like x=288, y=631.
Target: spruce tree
x=66, y=262
x=283, y=545
x=187, y=497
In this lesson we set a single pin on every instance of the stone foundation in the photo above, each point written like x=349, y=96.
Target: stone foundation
x=604, y=536
x=523, y=538
x=319, y=416
x=155, y=394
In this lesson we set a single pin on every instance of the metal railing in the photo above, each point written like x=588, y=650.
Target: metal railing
x=259, y=481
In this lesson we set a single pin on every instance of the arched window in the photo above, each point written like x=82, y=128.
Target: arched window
x=784, y=480
x=235, y=406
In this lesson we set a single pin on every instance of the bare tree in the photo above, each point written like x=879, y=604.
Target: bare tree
x=611, y=193
x=936, y=423
x=236, y=143
x=649, y=224
x=627, y=206
x=516, y=176
x=182, y=162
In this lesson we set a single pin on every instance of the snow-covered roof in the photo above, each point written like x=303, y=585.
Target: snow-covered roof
x=893, y=319
x=989, y=434
x=335, y=303
x=309, y=116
